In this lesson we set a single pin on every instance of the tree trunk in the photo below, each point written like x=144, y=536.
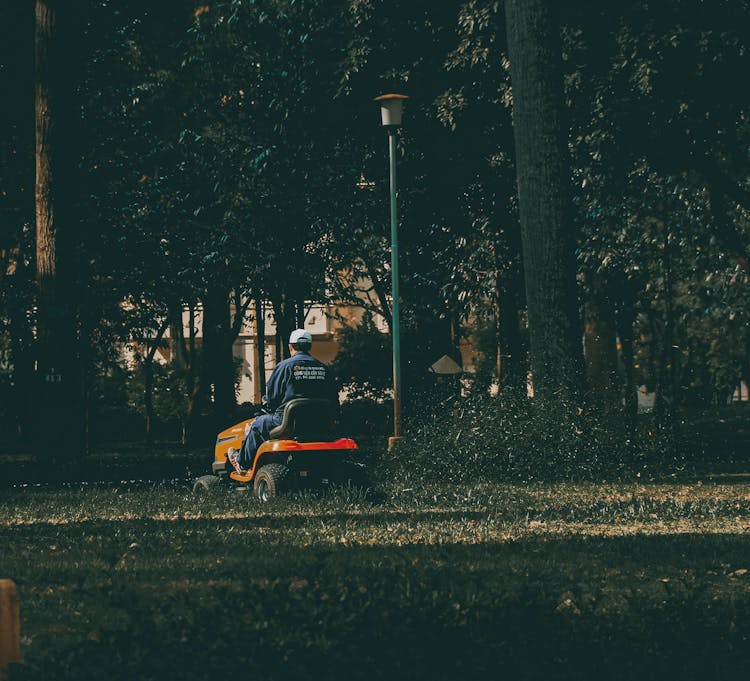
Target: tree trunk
x=177, y=336
x=23, y=369
x=21, y=347
x=217, y=359
x=283, y=313
x=600, y=349
x=148, y=379
x=58, y=385
x=625, y=320
x=259, y=365
x=543, y=174
x=662, y=399
x=184, y=358
x=667, y=391
x=511, y=371
x=148, y=397
x=745, y=368
x=194, y=396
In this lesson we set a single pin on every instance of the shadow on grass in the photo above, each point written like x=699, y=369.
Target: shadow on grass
x=205, y=599
x=110, y=470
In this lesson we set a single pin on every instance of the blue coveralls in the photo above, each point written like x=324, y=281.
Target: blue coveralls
x=301, y=375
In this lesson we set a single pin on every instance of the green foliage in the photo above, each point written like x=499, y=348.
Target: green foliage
x=369, y=422
x=362, y=366
x=484, y=343
x=224, y=143
x=170, y=391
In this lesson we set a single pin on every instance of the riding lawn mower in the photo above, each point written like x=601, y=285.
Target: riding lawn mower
x=303, y=452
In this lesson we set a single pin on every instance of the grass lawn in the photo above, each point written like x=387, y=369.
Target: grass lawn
x=497, y=581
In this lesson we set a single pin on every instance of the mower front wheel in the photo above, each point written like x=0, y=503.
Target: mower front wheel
x=354, y=474
x=206, y=484
x=269, y=481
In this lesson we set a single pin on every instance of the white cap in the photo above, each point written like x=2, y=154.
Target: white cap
x=300, y=335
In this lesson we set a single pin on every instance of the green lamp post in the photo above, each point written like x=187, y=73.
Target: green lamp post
x=391, y=107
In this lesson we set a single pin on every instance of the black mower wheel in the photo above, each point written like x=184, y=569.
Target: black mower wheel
x=269, y=481
x=354, y=474
x=206, y=484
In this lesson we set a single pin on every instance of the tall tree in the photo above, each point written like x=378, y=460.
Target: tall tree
x=544, y=193
x=59, y=386
x=17, y=205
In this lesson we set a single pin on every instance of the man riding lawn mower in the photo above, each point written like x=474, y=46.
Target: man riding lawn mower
x=293, y=444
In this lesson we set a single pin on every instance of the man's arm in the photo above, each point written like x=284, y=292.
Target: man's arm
x=275, y=389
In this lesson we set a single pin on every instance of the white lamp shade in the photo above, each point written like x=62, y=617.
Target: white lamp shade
x=391, y=108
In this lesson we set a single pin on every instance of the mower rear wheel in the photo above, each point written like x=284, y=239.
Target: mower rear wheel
x=206, y=484
x=269, y=481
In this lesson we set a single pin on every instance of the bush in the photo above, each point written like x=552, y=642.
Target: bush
x=366, y=419
x=362, y=365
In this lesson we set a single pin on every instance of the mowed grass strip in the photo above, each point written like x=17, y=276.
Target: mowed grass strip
x=557, y=581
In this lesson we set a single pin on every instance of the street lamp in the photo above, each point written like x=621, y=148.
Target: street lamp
x=391, y=107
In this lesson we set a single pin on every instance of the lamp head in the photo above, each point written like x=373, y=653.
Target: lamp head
x=391, y=107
